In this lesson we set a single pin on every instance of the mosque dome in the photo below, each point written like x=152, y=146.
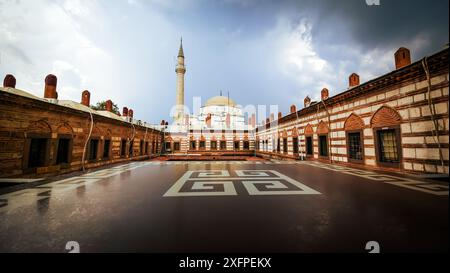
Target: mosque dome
x=220, y=100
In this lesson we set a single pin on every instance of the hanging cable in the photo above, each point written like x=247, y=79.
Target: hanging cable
x=87, y=140
x=329, y=128
x=435, y=132
x=131, y=141
x=298, y=136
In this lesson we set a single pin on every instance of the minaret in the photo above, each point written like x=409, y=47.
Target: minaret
x=180, y=70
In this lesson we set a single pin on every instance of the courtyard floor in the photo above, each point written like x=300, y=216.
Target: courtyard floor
x=242, y=206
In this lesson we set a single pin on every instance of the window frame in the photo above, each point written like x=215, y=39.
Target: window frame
x=26, y=152
x=69, y=152
x=311, y=138
x=285, y=145
x=238, y=146
x=200, y=144
x=320, y=146
x=347, y=144
x=175, y=144
x=193, y=147
x=97, y=150
x=123, y=147
x=211, y=145
x=295, y=146
x=223, y=147
x=246, y=145
x=378, y=149
x=109, y=149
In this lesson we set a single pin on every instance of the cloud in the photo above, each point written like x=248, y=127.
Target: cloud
x=297, y=57
x=42, y=37
x=263, y=52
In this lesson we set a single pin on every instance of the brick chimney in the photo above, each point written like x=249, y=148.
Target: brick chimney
x=86, y=98
x=402, y=58
x=50, y=87
x=280, y=115
x=109, y=105
x=125, y=111
x=9, y=81
x=130, y=113
x=353, y=80
x=324, y=94
x=293, y=108
x=307, y=101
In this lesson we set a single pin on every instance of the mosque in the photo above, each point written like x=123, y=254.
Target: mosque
x=219, y=128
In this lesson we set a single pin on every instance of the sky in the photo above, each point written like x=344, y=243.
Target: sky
x=262, y=52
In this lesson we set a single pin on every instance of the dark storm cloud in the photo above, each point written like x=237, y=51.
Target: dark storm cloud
x=390, y=24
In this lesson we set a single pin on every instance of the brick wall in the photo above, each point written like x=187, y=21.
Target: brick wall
x=398, y=99
x=22, y=118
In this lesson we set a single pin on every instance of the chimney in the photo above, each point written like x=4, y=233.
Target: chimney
x=50, y=87
x=280, y=115
x=307, y=101
x=353, y=80
x=402, y=58
x=130, y=113
x=9, y=81
x=125, y=112
x=109, y=105
x=86, y=98
x=293, y=108
x=324, y=94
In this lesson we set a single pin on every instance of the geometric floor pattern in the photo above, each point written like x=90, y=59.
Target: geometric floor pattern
x=222, y=183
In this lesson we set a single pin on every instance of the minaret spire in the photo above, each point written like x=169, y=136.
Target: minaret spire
x=180, y=51
x=180, y=70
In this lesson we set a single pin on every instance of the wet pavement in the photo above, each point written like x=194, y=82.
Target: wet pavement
x=227, y=207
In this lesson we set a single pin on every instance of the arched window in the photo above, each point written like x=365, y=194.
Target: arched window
x=322, y=133
x=309, y=133
x=37, y=145
x=64, y=145
x=386, y=128
x=354, y=126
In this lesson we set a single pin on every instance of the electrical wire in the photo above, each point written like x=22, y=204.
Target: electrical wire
x=87, y=140
x=434, y=133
